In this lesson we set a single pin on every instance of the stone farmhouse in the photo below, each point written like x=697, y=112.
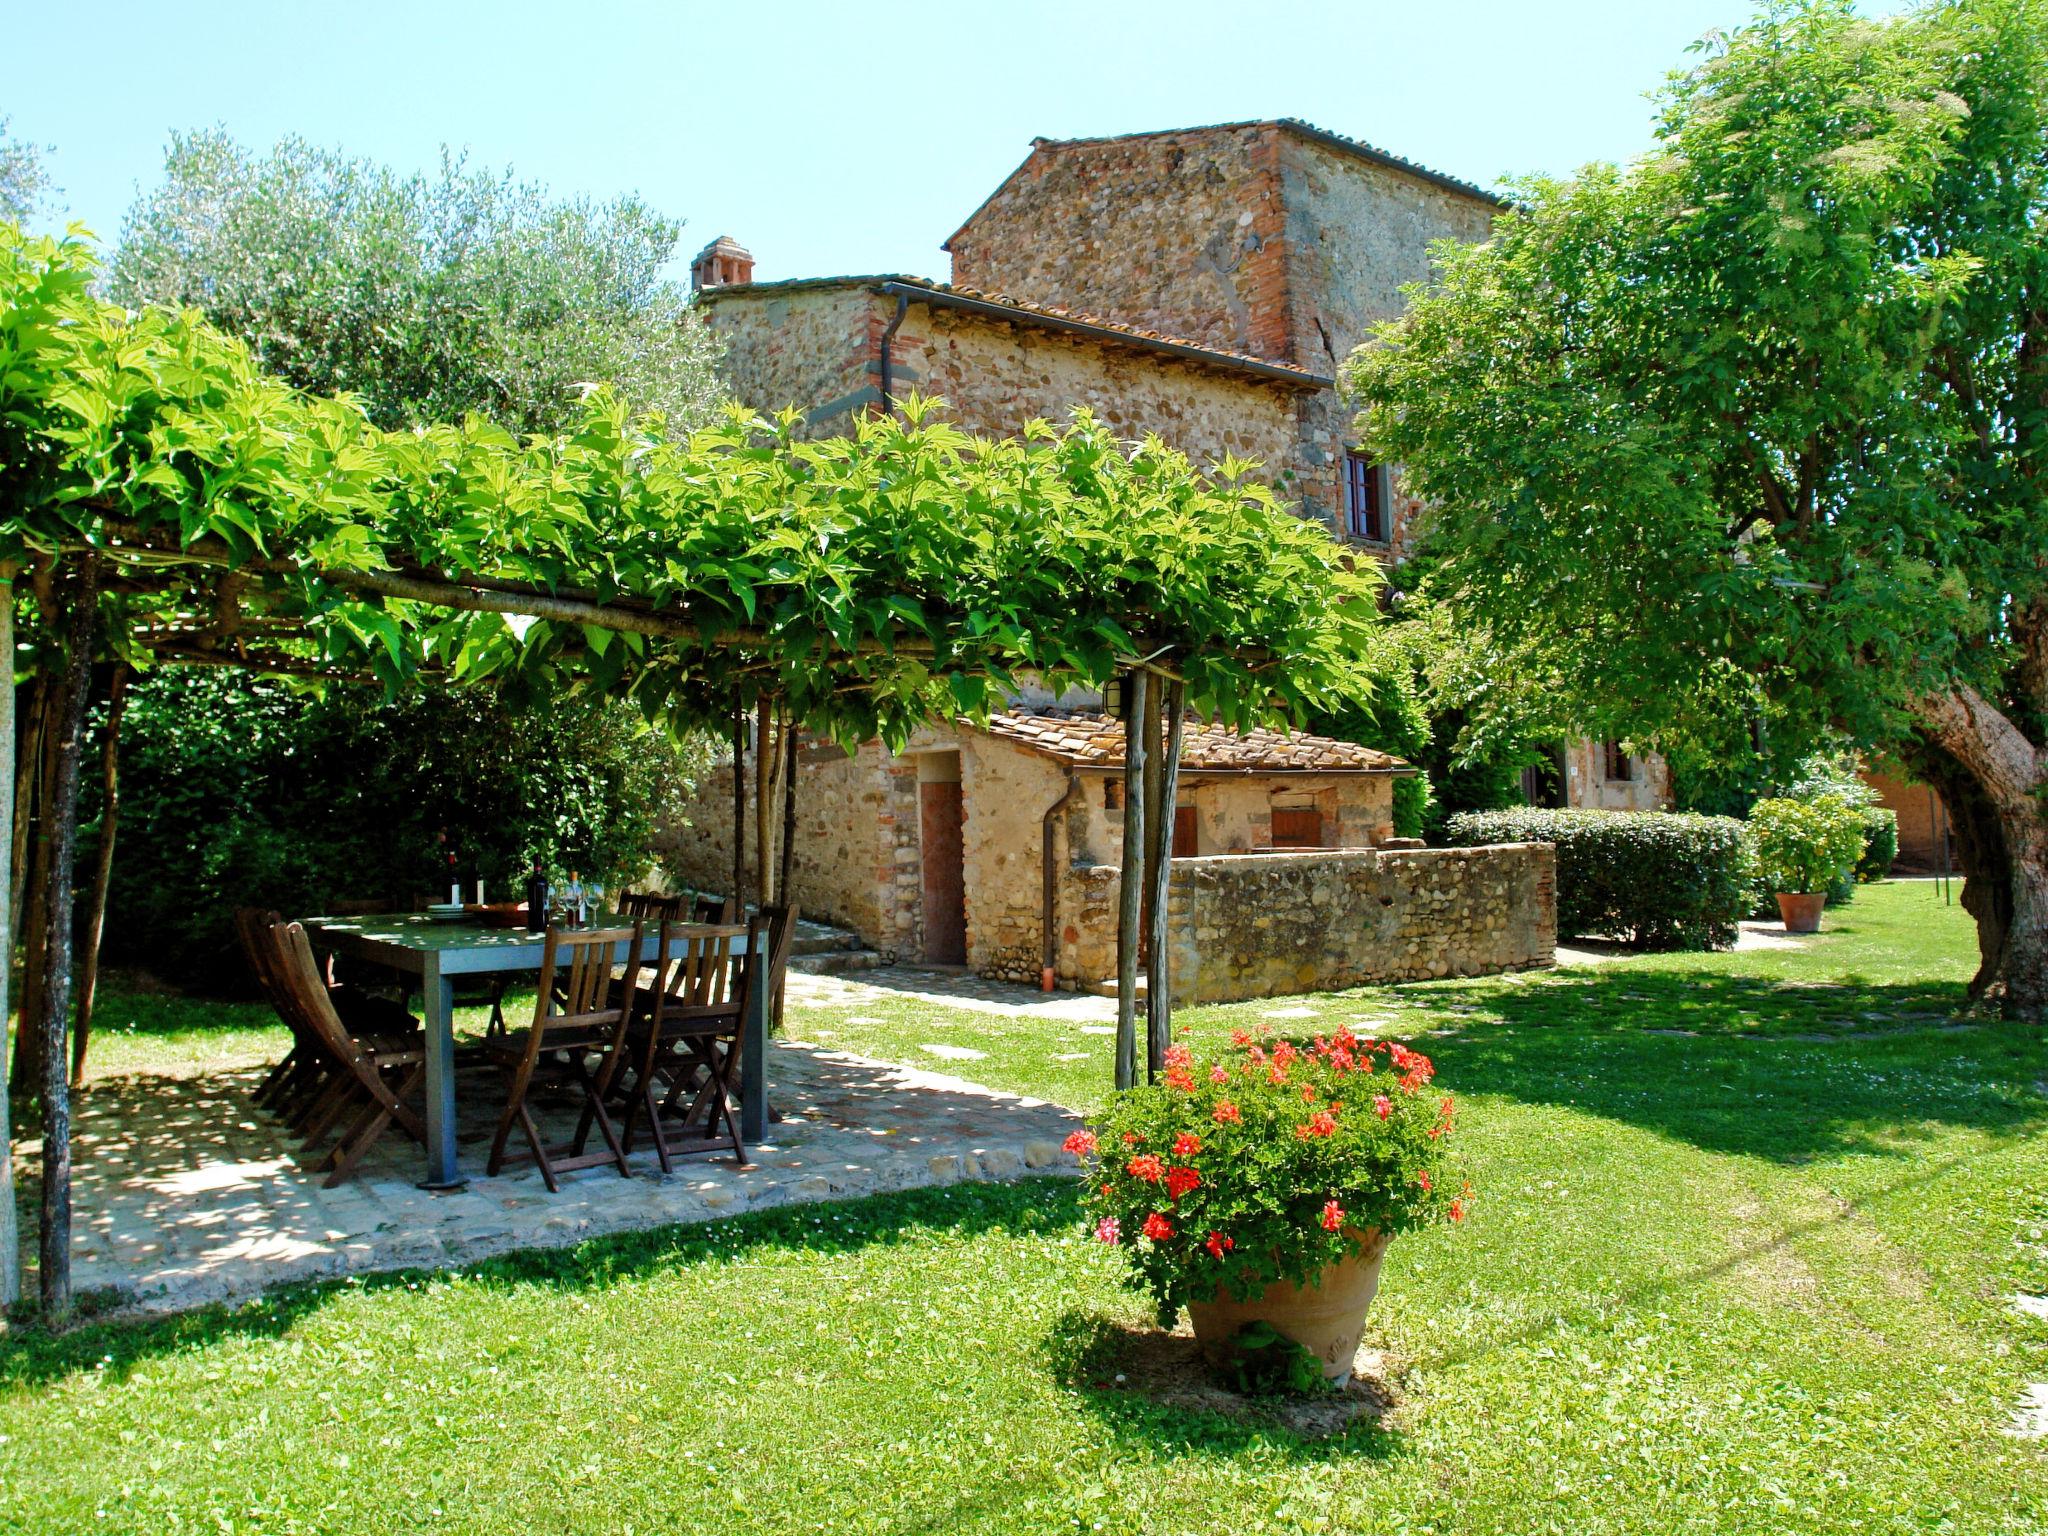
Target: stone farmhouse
x=1205, y=284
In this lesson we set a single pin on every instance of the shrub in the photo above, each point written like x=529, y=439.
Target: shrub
x=1805, y=845
x=1880, y=844
x=244, y=791
x=1658, y=879
x=1266, y=1163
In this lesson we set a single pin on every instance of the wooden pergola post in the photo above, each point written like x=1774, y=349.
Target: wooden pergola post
x=61, y=812
x=10, y=1232
x=739, y=806
x=1155, y=1048
x=1130, y=892
x=103, y=872
x=1159, y=822
x=764, y=801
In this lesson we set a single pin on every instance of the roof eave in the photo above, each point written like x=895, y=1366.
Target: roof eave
x=1109, y=335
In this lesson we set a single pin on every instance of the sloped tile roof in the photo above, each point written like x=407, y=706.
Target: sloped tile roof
x=1001, y=306
x=1097, y=741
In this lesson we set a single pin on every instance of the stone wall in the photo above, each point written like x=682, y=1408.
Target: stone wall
x=801, y=344
x=998, y=376
x=1235, y=814
x=1174, y=232
x=1266, y=925
x=1587, y=786
x=818, y=347
x=849, y=815
x=1257, y=238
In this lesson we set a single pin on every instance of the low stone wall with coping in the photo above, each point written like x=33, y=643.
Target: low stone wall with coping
x=1269, y=924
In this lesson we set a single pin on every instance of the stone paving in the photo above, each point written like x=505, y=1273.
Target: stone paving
x=186, y=1194
x=949, y=989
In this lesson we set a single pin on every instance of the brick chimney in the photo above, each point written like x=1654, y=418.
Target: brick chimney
x=723, y=261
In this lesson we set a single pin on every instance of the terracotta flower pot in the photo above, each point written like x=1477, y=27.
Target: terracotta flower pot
x=1326, y=1318
x=1801, y=910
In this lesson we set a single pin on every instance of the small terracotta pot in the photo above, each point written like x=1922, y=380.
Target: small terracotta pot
x=1326, y=1318
x=1801, y=910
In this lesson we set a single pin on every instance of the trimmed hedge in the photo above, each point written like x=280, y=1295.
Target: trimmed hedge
x=1656, y=879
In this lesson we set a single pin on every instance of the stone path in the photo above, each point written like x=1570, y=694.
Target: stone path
x=947, y=989
x=1749, y=936
x=186, y=1194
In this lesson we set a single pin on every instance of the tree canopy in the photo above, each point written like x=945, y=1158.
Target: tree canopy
x=1748, y=436
x=427, y=298
x=866, y=581
x=24, y=181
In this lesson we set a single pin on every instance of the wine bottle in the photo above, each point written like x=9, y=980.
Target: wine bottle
x=536, y=900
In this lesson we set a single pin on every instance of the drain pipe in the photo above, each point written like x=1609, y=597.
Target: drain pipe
x=1049, y=955
x=888, y=372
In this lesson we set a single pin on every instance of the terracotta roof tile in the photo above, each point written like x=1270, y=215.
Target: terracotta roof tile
x=1097, y=741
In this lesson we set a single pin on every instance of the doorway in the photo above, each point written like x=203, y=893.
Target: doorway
x=941, y=819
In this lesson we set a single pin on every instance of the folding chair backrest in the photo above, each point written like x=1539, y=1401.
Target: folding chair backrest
x=714, y=910
x=576, y=977
x=299, y=976
x=695, y=972
x=781, y=922
x=254, y=931
x=650, y=906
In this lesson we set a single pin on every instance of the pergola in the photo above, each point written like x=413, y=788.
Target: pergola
x=164, y=502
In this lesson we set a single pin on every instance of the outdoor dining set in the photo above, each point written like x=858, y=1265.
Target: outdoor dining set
x=651, y=1021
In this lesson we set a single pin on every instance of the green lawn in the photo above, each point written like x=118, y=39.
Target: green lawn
x=1746, y=1230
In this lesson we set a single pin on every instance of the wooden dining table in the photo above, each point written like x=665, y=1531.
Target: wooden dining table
x=438, y=951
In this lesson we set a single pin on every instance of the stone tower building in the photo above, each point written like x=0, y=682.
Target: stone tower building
x=1204, y=283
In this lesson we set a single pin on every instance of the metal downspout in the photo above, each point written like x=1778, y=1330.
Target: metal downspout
x=888, y=336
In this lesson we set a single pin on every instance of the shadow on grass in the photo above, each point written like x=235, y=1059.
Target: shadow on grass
x=1149, y=1388
x=1788, y=1071
x=33, y=1356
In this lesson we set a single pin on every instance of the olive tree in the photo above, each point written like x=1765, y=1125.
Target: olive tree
x=428, y=297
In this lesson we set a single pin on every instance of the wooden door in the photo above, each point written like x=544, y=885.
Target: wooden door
x=1183, y=831
x=940, y=817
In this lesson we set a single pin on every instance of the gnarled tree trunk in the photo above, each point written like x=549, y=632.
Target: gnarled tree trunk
x=1993, y=780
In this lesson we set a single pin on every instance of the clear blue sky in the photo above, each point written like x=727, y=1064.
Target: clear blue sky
x=828, y=137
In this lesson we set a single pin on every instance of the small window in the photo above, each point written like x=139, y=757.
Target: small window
x=1365, y=512
x=1621, y=768
x=1112, y=794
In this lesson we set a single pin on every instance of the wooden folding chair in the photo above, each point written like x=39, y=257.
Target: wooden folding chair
x=781, y=922
x=578, y=1014
x=714, y=910
x=288, y=1080
x=370, y=1075
x=651, y=907
x=683, y=1043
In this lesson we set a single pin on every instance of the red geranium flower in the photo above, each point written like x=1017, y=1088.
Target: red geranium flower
x=1158, y=1228
x=1218, y=1245
x=1218, y=1075
x=1226, y=1114
x=1180, y=1079
x=1384, y=1105
x=1186, y=1144
x=1110, y=1230
x=1422, y=1178
x=1146, y=1166
x=1333, y=1216
x=1457, y=1210
x=1081, y=1144
x=1323, y=1124
x=1180, y=1180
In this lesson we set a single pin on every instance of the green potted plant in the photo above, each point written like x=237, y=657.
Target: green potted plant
x=1802, y=848
x=1262, y=1188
